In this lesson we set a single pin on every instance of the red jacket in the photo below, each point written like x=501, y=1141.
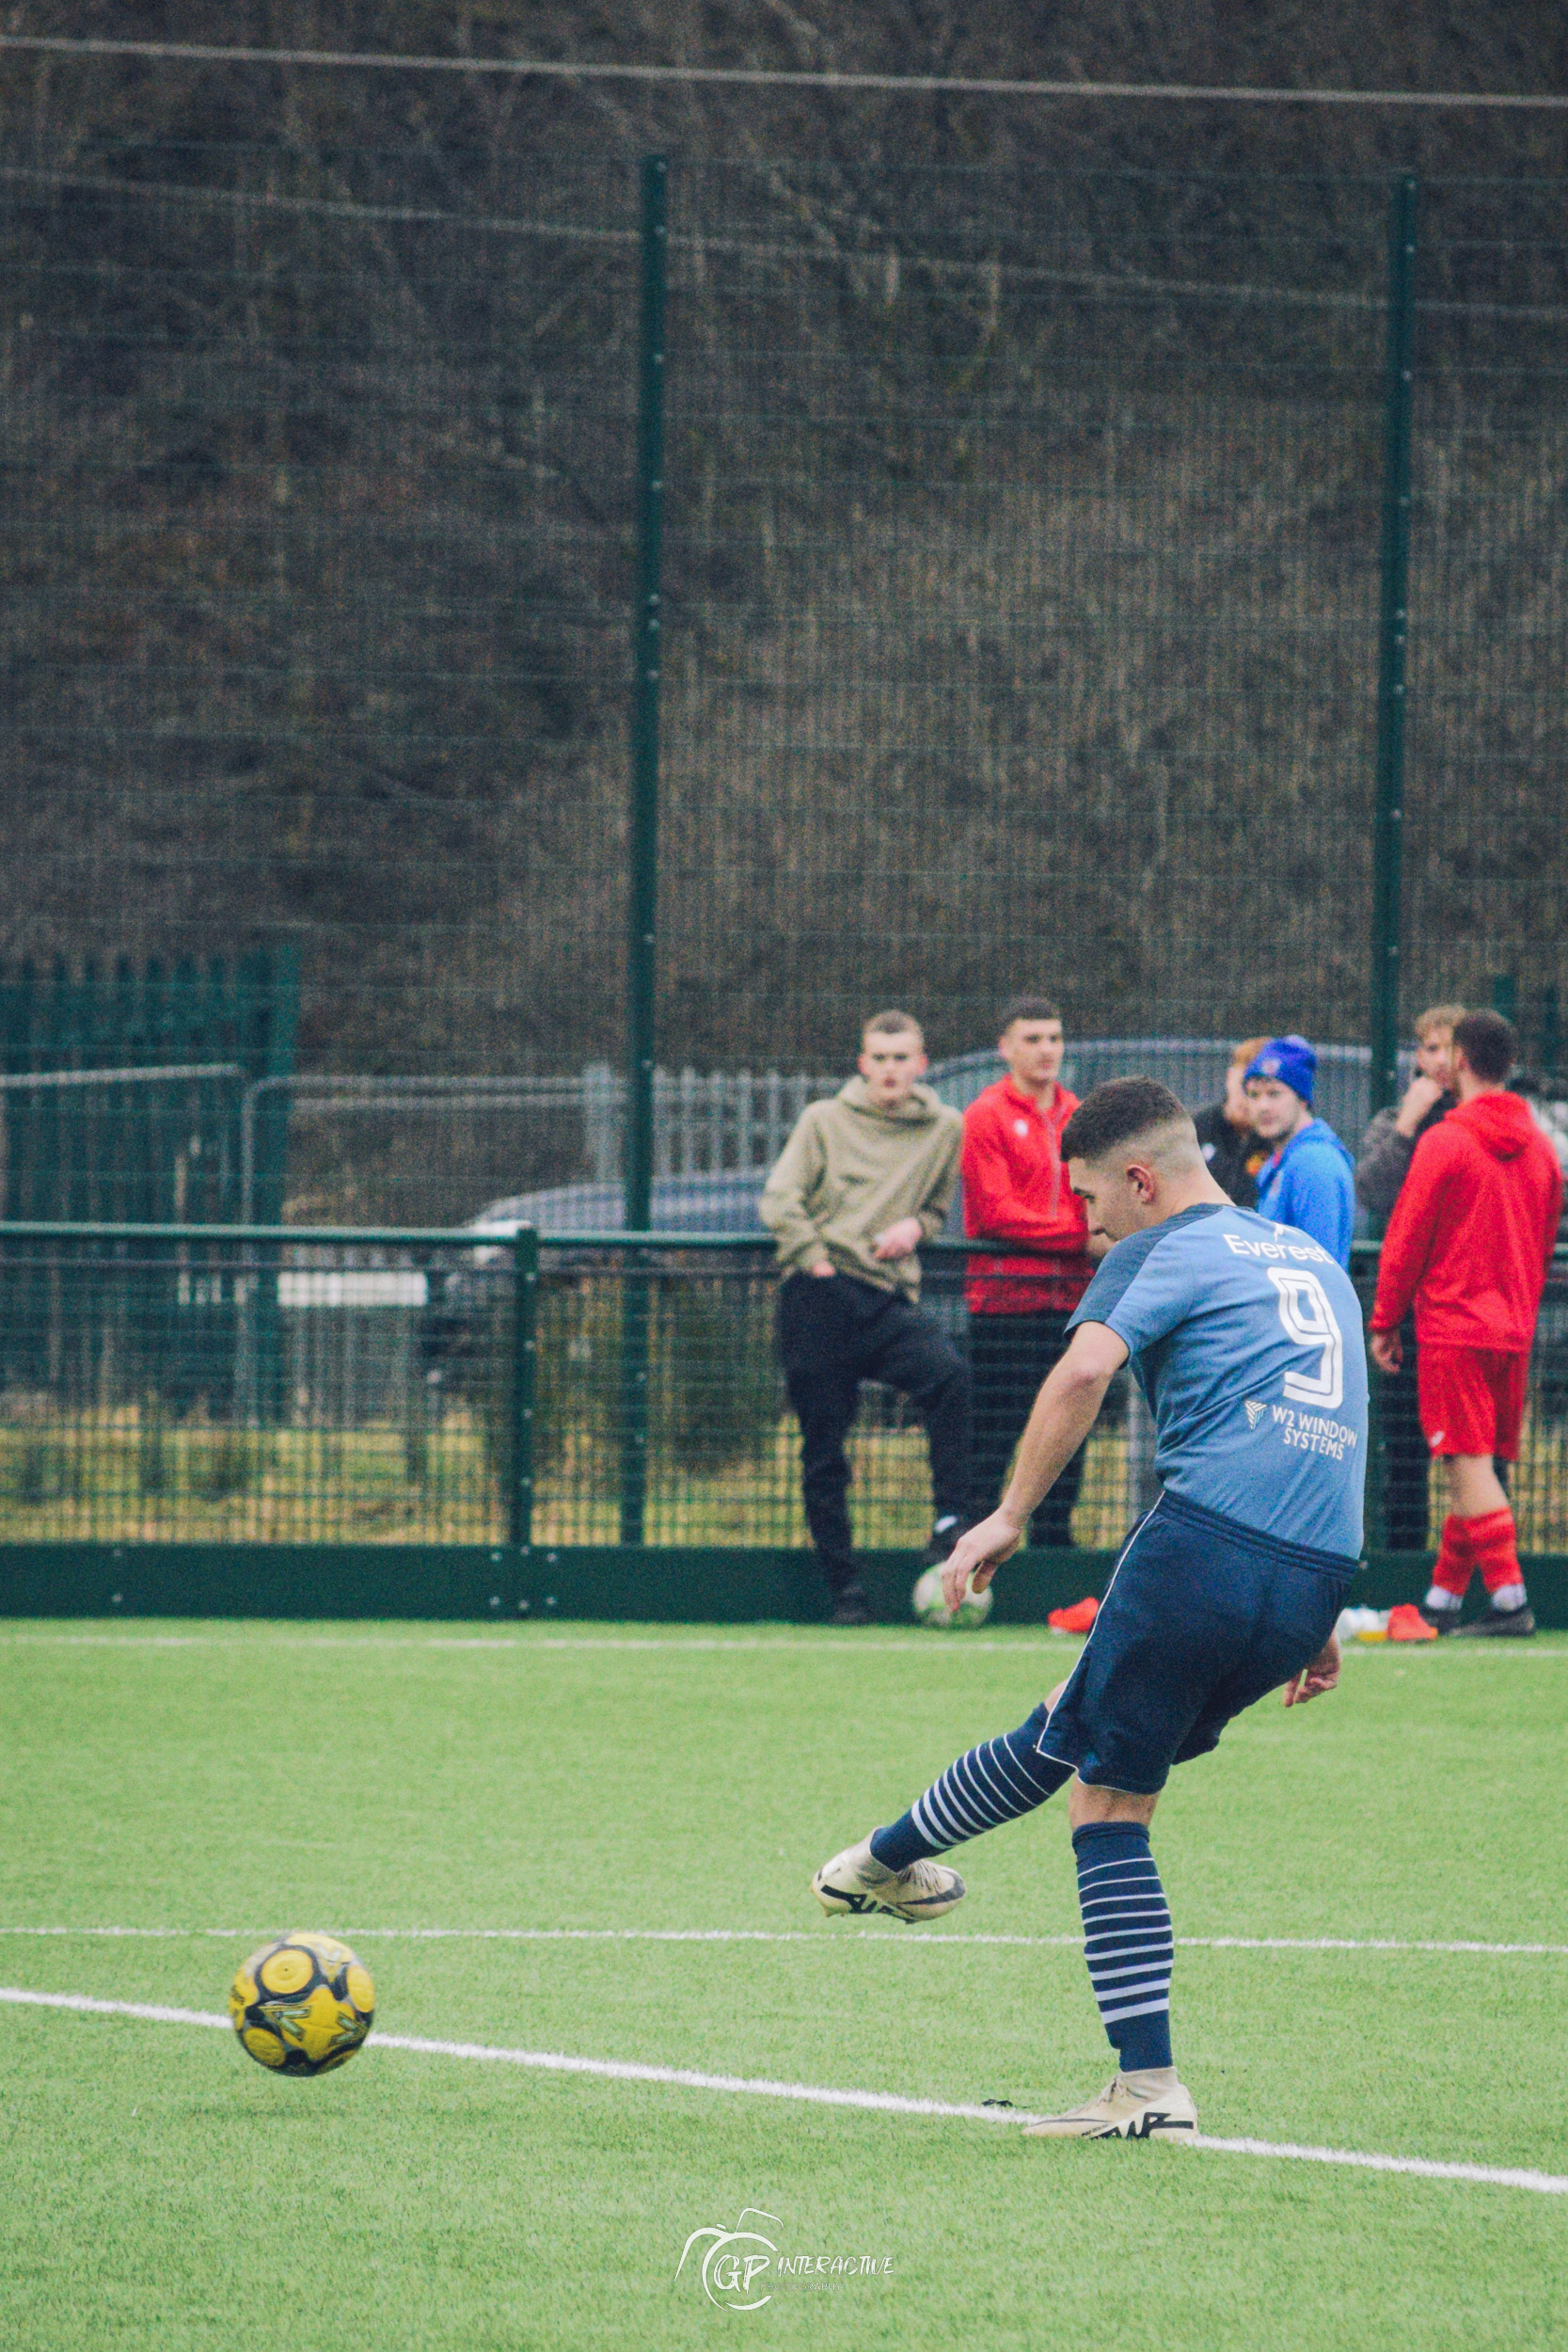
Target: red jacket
x=1471, y=1236
x=1016, y=1189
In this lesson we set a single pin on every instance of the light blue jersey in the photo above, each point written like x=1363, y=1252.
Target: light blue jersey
x=1245, y=1337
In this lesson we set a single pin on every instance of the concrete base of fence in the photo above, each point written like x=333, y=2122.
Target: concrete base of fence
x=657, y=1584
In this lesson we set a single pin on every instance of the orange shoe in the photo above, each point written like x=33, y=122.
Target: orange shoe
x=1077, y=1620
x=1406, y=1624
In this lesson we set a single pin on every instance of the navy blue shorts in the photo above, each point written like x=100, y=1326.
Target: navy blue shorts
x=1202, y=1617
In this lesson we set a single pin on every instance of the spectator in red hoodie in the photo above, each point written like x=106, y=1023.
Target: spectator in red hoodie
x=1471, y=1244
x=1016, y=1191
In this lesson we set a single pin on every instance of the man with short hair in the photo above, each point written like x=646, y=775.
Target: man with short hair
x=1227, y=1138
x=1470, y=1246
x=1389, y=1143
x=1386, y=1151
x=1016, y=1190
x=863, y=1180
x=1309, y=1179
x=1245, y=1337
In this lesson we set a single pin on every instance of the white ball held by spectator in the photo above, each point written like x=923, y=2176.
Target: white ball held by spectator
x=931, y=1608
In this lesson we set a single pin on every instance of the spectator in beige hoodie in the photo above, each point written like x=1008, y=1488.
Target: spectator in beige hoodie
x=865, y=1179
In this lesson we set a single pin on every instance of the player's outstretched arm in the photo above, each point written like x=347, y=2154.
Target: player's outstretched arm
x=1065, y=1412
x=1320, y=1676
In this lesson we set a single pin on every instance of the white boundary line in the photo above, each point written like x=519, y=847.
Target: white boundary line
x=825, y=1938
x=760, y=2086
x=915, y=1642
x=1031, y=1641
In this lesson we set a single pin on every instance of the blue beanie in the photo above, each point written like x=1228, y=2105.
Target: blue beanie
x=1289, y=1059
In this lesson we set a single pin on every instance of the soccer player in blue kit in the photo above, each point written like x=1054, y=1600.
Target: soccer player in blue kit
x=1245, y=1337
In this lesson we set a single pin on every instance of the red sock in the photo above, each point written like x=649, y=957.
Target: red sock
x=1495, y=1549
x=1455, y=1562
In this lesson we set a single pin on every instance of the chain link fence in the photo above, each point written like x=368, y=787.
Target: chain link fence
x=1022, y=604
x=1484, y=859
x=244, y=1390
x=1039, y=579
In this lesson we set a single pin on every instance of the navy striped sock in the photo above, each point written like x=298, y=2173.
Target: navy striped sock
x=1127, y=1939
x=992, y=1784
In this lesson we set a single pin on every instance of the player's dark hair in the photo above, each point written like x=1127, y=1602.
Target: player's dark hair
x=892, y=1024
x=1489, y=1043
x=1115, y=1112
x=1025, y=1008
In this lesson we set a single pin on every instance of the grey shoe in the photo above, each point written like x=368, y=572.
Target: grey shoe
x=1507, y=1624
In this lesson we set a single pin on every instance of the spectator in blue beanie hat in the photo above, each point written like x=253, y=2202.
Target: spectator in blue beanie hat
x=1310, y=1181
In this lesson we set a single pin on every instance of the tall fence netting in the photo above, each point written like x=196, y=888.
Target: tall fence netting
x=1020, y=600
x=1021, y=620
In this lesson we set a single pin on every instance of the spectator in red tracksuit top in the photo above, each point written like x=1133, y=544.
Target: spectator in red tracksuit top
x=1016, y=1190
x=1471, y=1242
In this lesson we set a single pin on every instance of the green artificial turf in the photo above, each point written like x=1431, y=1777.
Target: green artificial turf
x=158, y=2189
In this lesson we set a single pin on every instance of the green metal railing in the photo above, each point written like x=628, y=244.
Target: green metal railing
x=138, y=1090
x=430, y=1389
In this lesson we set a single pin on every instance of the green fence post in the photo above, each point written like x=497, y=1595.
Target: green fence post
x=1549, y=1047
x=525, y=1357
x=266, y=991
x=269, y=1004
x=1393, y=630
x=642, y=879
x=1377, y=1434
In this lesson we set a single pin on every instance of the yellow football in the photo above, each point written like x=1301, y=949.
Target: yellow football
x=303, y=2005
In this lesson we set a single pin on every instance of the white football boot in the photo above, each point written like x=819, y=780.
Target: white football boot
x=855, y=1881
x=1152, y=2105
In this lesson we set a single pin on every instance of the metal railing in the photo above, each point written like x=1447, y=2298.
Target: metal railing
x=468, y=1140
x=28, y=1081
x=202, y=1384
x=705, y=1122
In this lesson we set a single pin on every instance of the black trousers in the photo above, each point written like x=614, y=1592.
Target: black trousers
x=834, y=1333
x=1009, y=1355
x=1405, y=1454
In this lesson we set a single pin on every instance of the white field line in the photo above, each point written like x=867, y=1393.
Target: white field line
x=760, y=2086
x=915, y=1642
x=912, y=1642
x=825, y=1938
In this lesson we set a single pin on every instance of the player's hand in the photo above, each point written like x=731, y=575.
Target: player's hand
x=1320, y=1676
x=1419, y=1097
x=1387, y=1350
x=975, y=1557
x=900, y=1239
x=823, y=1266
